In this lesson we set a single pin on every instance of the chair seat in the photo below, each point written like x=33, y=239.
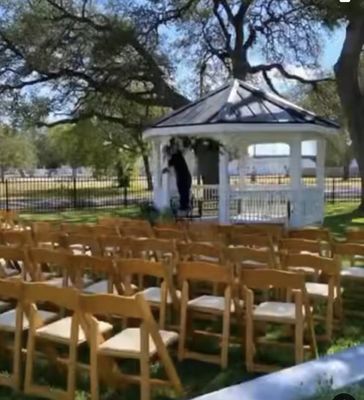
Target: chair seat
x=60, y=331
x=8, y=319
x=353, y=272
x=276, y=311
x=209, y=302
x=154, y=295
x=127, y=343
x=97, y=287
x=319, y=290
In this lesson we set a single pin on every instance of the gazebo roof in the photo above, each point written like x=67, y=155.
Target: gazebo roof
x=240, y=108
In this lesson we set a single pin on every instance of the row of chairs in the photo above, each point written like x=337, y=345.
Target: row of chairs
x=57, y=322
x=60, y=268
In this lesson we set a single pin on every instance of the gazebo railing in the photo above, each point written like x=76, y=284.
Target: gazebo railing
x=270, y=203
x=260, y=205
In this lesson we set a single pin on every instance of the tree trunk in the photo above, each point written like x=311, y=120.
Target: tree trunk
x=148, y=172
x=350, y=92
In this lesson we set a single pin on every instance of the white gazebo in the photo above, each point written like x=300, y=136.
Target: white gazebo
x=237, y=115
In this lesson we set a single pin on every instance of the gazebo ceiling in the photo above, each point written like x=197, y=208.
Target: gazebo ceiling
x=239, y=108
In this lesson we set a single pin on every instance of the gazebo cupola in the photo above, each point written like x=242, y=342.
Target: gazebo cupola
x=238, y=115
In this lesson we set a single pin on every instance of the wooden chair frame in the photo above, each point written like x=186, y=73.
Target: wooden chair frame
x=294, y=283
x=63, y=298
x=215, y=274
x=13, y=290
x=327, y=269
x=102, y=367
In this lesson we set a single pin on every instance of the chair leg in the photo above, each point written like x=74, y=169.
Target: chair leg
x=94, y=375
x=28, y=380
x=249, y=342
x=329, y=319
x=17, y=350
x=225, y=338
x=182, y=333
x=72, y=370
x=144, y=365
x=299, y=350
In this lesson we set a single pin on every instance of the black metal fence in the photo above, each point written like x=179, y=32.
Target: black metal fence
x=60, y=193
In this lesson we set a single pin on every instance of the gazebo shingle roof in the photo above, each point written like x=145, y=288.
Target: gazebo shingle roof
x=241, y=103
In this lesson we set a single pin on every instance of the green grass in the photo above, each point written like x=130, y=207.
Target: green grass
x=199, y=378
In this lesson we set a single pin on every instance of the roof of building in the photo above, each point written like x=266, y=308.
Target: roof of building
x=241, y=103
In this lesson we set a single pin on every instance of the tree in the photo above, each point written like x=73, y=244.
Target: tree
x=17, y=151
x=76, y=59
x=326, y=102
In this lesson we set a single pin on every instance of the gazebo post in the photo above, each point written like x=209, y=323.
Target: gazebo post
x=242, y=165
x=157, y=172
x=320, y=171
x=295, y=171
x=224, y=187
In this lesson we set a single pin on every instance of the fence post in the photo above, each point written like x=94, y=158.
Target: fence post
x=125, y=196
x=7, y=195
x=333, y=191
x=74, y=192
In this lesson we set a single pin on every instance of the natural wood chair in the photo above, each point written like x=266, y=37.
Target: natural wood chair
x=205, y=305
x=104, y=230
x=196, y=251
x=114, y=246
x=257, y=241
x=249, y=258
x=322, y=235
x=170, y=234
x=204, y=232
x=159, y=296
x=11, y=294
x=142, y=343
x=15, y=262
x=295, y=313
x=301, y=246
x=64, y=332
x=50, y=266
x=44, y=227
x=113, y=221
x=79, y=229
x=93, y=274
x=354, y=235
x=327, y=289
x=136, y=229
x=351, y=257
x=9, y=220
x=16, y=238
x=49, y=240
x=82, y=244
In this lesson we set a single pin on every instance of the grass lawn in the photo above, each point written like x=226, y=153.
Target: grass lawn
x=199, y=378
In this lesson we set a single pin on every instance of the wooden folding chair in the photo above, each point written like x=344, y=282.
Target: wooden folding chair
x=322, y=235
x=249, y=258
x=113, y=221
x=170, y=234
x=114, y=246
x=104, y=230
x=65, y=332
x=93, y=274
x=49, y=240
x=16, y=238
x=158, y=296
x=201, y=232
x=256, y=241
x=9, y=220
x=206, y=305
x=297, y=313
x=141, y=343
x=50, y=266
x=327, y=289
x=136, y=229
x=196, y=251
x=82, y=244
x=15, y=262
x=351, y=257
x=11, y=295
x=44, y=227
x=301, y=246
